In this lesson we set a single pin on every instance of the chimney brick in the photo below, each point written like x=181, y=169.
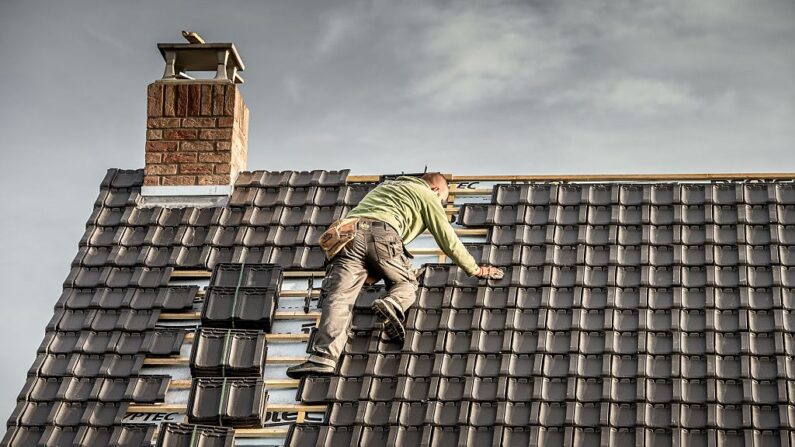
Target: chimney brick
x=197, y=133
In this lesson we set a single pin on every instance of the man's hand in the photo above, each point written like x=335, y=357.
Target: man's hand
x=485, y=271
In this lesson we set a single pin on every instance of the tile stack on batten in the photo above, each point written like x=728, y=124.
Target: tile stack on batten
x=197, y=133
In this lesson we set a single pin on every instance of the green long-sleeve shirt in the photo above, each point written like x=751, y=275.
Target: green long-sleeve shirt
x=410, y=206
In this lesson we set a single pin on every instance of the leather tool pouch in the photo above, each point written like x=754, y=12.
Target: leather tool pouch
x=337, y=236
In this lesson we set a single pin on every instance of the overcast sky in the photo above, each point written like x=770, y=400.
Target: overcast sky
x=581, y=86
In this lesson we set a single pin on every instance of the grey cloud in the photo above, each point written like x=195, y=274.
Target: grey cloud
x=574, y=86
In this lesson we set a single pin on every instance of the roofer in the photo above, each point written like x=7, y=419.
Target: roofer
x=369, y=242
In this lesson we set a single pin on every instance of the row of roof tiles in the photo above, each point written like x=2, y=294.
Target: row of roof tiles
x=622, y=320
x=480, y=214
x=129, y=320
x=173, y=298
x=153, y=342
x=634, y=255
x=596, y=298
x=188, y=223
x=128, y=178
x=126, y=435
x=555, y=414
x=193, y=218
x=588, y=342
x=131, y=245
x=68, y=413
x=423, y=392
x=289, y=257
x=121, y=238
x=118, y=277
x=292, y=178
x=114, y=206
x=662, y=235
x=440, y=275
x=138, y=389
x=324, y=196
x=533, y=192
x=86, y=365
x=629, y=366
x=722, y=193
x=726, y=369
x=655, y=390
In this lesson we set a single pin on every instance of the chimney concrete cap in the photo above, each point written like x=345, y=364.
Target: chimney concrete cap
x=181, y=58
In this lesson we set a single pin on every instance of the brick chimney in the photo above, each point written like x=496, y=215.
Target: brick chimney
x=196, y=129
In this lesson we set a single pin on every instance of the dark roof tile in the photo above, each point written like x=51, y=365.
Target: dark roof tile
x=117, y=197
x=325, y=215
x=292, y=216
x=296, y=178
x=300, y=196
x=77, y=389
x=188, y=435
x=228, y=352
x=127, y=178
x=335, y=435
x=40, y=389
x=270, y=197
x=329, y=196
x=237, y=402
x=314, y=390
x=220, y=255
x=136, y=216
x=275, y=178
x=251, y=308
x=190, y=257
x=261, y=216
x=355, y=192
x=302, y=435
x=126, y=236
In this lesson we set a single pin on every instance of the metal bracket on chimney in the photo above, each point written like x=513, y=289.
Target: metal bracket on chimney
x=184, y=57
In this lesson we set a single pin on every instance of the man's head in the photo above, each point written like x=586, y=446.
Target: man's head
x=438, y=184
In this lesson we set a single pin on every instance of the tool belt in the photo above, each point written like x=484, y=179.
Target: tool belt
x=338, y=235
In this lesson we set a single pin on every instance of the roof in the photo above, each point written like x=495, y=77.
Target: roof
x=631, y=312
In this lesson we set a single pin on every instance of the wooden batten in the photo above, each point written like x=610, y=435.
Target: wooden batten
x=600, y=177
x=184, y=361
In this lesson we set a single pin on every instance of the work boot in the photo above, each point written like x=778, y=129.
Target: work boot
x=309, y=368
x=392, y=318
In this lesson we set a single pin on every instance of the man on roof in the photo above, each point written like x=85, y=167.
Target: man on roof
x=369, y=242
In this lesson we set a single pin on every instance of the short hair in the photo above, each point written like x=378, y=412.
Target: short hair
x=434, y=178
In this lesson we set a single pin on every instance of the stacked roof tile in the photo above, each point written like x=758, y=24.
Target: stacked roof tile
x=226, y=364
x=646, y=313
x=228, y=352
x=191, y=434
x=242, y=296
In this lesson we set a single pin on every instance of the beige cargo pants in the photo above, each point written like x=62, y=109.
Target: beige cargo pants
x=376, y=250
